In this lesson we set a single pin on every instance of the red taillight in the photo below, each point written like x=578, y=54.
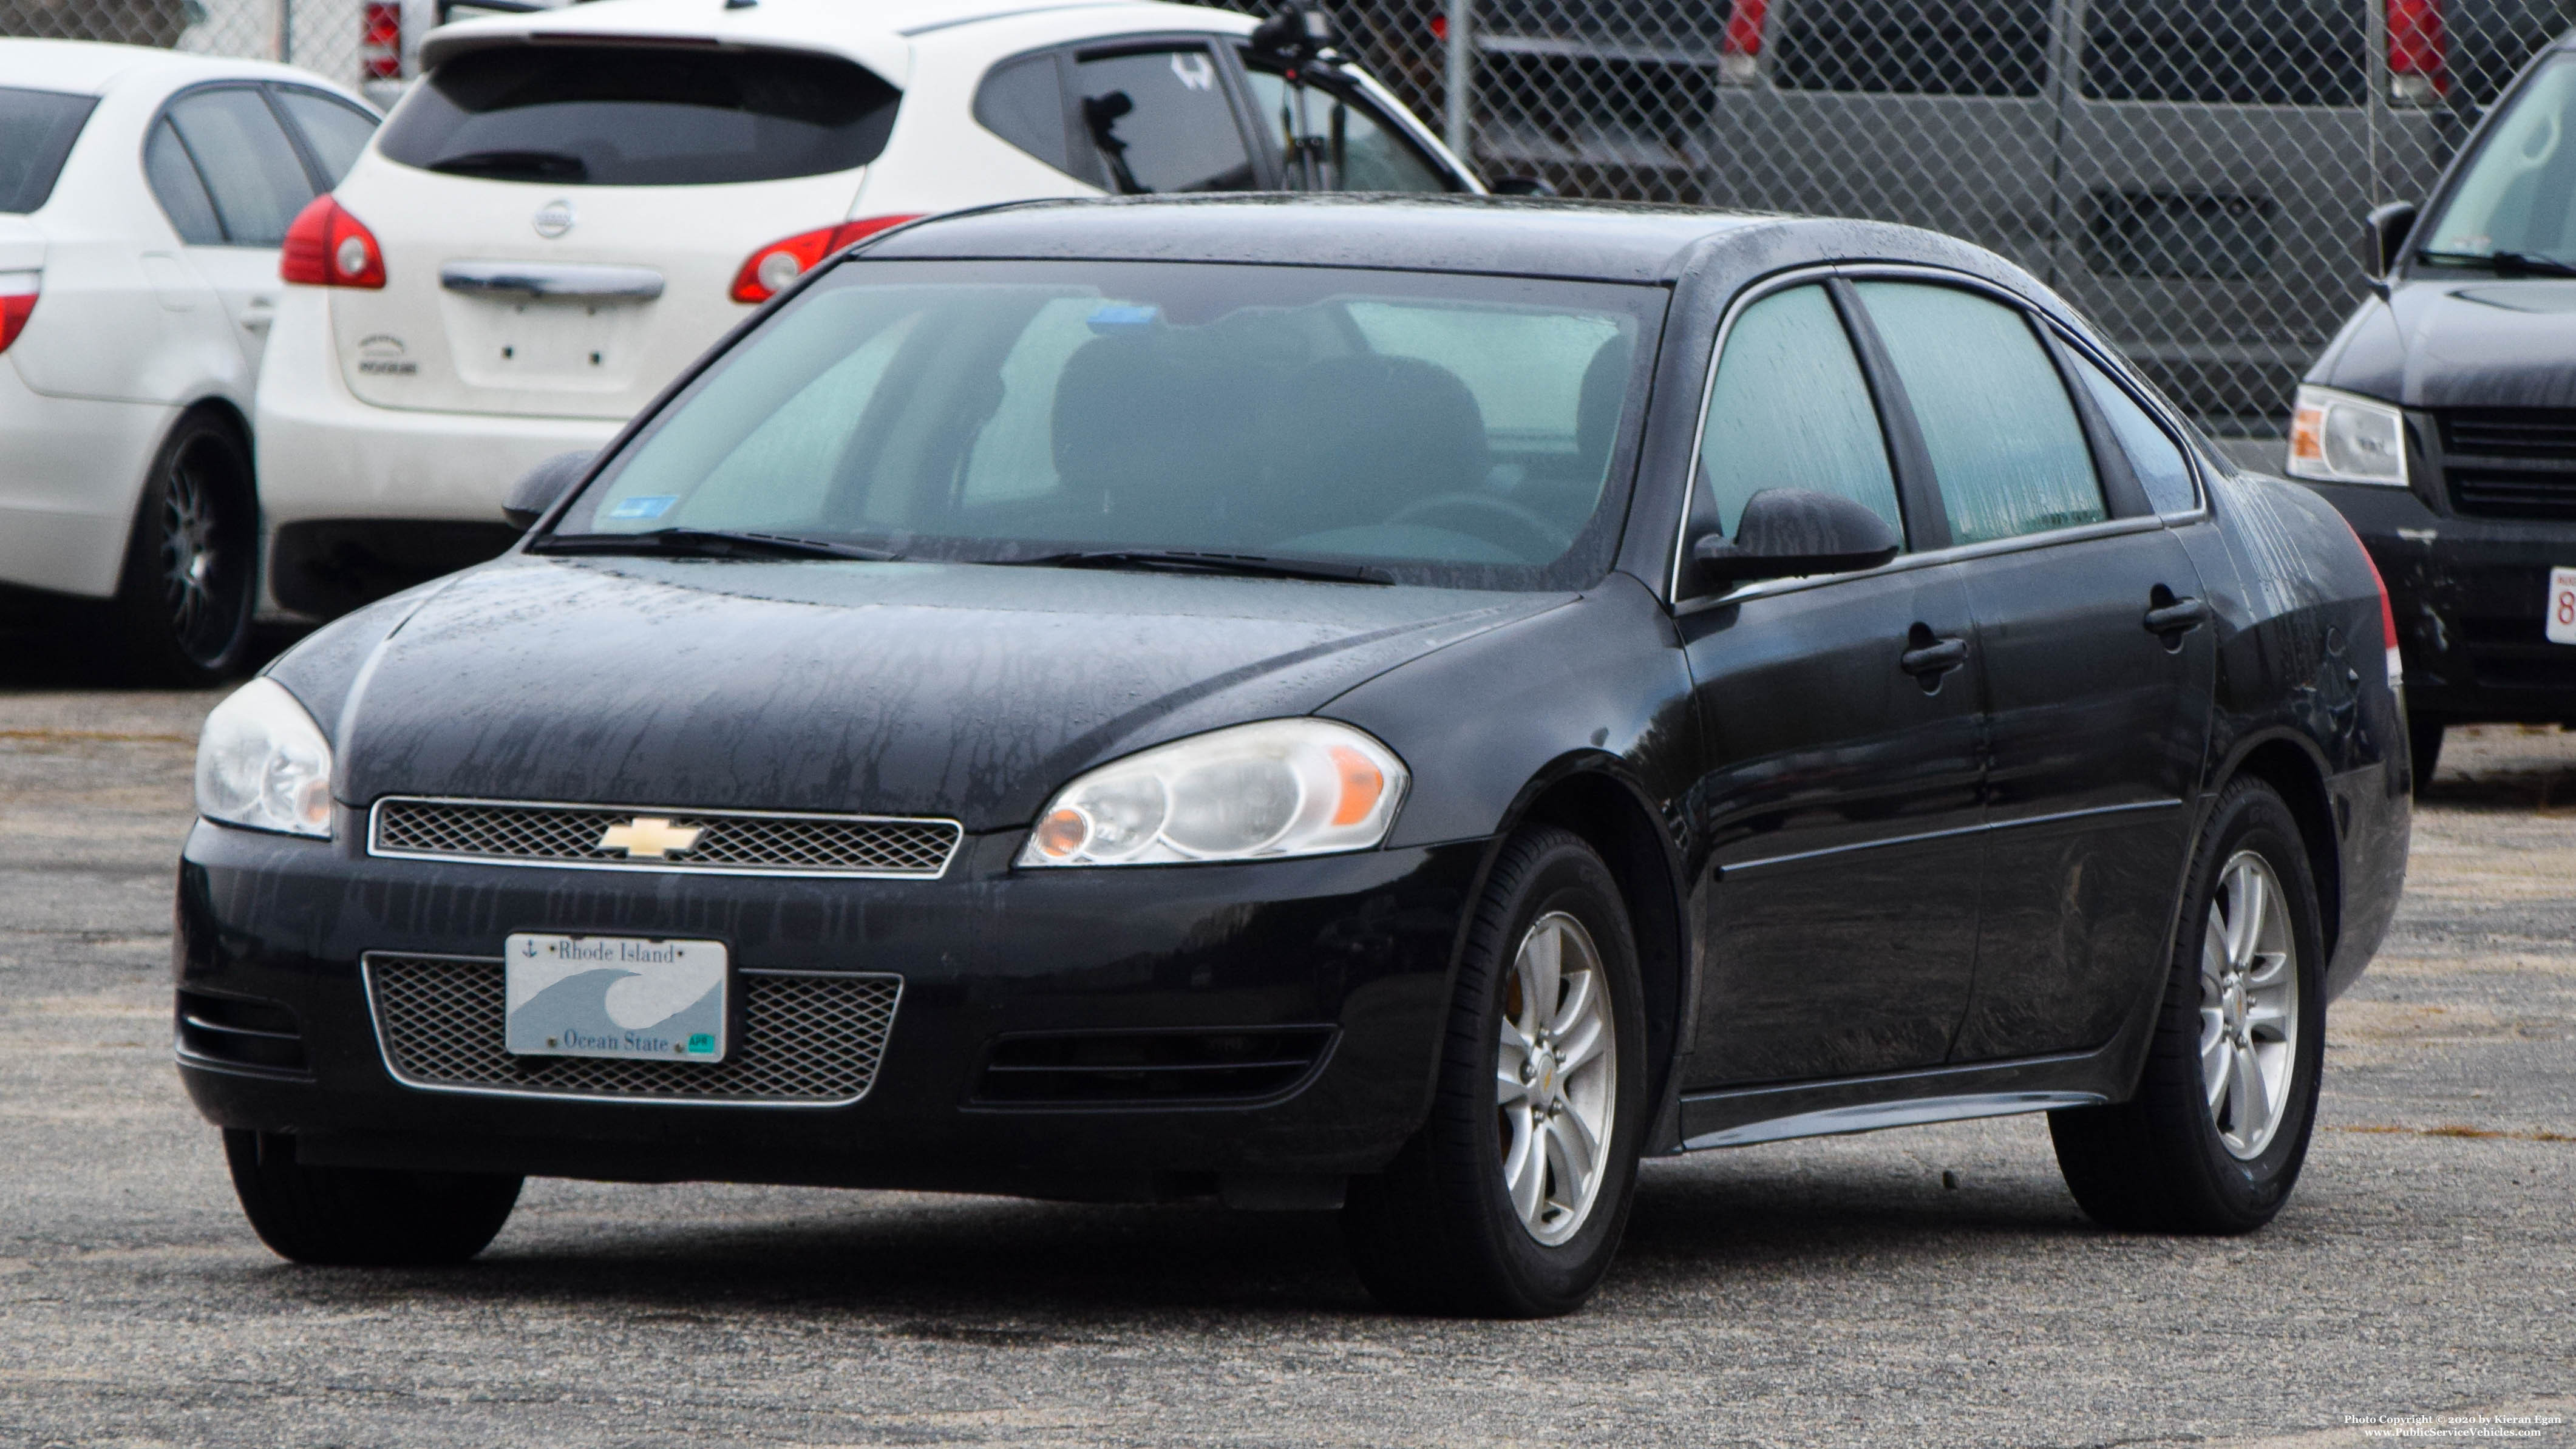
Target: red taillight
x=1440, y=27
x=17, y=299
x=766, y=272
x=327, y=247
x=2387, y=612
x=380, y=40
x=1739, y=54
x=2419, y=70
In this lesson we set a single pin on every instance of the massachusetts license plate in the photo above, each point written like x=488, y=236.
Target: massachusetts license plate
x=2561, y=618
x=615, y=996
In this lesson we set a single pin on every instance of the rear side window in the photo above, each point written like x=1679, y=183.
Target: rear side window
x=1790, y=409
x=2244, y=52
x=2004, y=438
x=604, y=115
x=1913, y=47
x=37, y=129
x=1160, y=121
x=335, y=130
x=251, y=171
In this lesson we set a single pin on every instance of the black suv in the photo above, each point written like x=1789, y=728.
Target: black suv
x=2442, y=419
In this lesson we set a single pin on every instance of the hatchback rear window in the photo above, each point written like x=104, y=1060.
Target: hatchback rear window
x=1914, y=47
x=604, y=115
x=37, y=129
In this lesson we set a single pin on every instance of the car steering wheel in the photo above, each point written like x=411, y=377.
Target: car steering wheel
x=1523, y=532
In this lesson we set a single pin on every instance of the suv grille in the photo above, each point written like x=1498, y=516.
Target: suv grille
x=727, y=842
x=2511, y=462
x=803, y=1040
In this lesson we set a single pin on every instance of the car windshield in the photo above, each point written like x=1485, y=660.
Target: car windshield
x=1437, y=428
x=2518, y=196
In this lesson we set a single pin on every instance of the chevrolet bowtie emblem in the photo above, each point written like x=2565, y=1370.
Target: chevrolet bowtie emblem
x=649, y=837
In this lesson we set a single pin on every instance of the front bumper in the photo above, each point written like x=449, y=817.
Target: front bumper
x=1361, y=943
x=2469, y=594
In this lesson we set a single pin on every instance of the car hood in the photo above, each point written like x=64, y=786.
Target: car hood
x=957, y=690
x=2463, y=343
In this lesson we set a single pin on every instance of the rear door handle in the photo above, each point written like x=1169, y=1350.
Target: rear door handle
x=1936, y=658
x=2179, y=617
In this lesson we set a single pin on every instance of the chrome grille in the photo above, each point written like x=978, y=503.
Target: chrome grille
x=800, y=1040
x=728, y=842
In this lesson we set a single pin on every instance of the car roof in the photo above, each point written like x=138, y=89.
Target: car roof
x=90, y=67
x=873, y=34
x=1594, y=241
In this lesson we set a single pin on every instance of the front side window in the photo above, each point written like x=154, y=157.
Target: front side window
x=1789, y=408
x=2519, y=193
x=37, y=129
x=1444, y=429
x=1161, y=121
x=1331, y=141
x=251, y=171
x=1914, y=47
x=2006, y=444
x=607, y=115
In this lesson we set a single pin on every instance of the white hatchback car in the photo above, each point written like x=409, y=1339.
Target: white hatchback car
x=572, y=205
x=143, y=195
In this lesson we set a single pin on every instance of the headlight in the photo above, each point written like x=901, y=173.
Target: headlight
x=262, y=762
x=2338, y=438
x=1253, y=792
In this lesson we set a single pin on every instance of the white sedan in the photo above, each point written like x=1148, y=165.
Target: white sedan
x=143, y=195
x=572, y=205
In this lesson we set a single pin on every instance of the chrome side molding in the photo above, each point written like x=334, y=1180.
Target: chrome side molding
x=1869, y=1118
x=551, y=279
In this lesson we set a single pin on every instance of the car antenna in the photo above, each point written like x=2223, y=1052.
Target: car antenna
x=1295, y=39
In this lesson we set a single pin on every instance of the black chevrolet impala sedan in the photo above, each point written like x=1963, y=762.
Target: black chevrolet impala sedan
x=1405, y=706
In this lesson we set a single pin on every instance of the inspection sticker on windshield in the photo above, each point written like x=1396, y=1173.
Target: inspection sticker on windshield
x=614, y=996
x=2562, y=606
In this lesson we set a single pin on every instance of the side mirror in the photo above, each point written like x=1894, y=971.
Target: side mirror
x=1794, y=532
x=532, y=495
x=2389, y=227
x=1521, y=186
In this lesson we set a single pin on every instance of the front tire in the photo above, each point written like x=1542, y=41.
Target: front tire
x=2424, y=745
x=2215, y=1137
x=363, y=1217
x=192, y=565
x=1511, y=1200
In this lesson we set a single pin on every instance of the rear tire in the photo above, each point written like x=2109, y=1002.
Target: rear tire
x=192, y=564
x=363, y=1217
x=1493, y=1209
x=2214, y=1139
x=2424, y=743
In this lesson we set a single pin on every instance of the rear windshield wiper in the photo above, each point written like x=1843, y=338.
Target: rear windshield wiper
x=545, y=165
x=1248, y=565
x=707, y=543
x=2506, y=264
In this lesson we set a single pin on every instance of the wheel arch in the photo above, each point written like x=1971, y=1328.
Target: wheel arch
x=2290, y=764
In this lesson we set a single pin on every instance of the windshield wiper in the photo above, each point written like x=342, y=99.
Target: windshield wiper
x=2506, y=264
x=707, y=543
x=1247, y=565
x=545, y=165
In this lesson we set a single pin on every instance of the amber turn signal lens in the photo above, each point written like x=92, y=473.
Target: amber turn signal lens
x=1362, y=784
x=1063, y=833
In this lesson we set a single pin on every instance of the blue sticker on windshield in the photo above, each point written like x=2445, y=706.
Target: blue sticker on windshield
x=651, y=505
x=1123, y=317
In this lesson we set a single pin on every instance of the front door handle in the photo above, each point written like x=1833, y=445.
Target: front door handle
x=2179, y=617
x=1936, y=658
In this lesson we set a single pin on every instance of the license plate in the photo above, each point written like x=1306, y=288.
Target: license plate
x=2562, y=606
x=615, y=996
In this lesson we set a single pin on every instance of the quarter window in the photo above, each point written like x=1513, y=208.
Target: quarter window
x=2005, y=441
x=1022, y=101
x=2162, y=468
x=335, y=130
x=251, y=171
x=1790, y=409
x=1161, y=121
x=181, y=192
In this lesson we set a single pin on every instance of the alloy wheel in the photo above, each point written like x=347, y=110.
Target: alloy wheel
x=193, y=559
x=1555, y=1078
x=2249, y=1006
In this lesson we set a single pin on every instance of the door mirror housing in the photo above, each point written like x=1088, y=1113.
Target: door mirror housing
x=2389, y=226
x=534, y=493
x=1793, y=533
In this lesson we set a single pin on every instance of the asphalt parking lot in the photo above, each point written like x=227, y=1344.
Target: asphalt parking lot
x=1927, y=1287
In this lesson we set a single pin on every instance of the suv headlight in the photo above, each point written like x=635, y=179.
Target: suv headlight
x=2336, y=437
x=262, y=762
x=1253, y=792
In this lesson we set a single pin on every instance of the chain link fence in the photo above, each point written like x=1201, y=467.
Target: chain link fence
x=2192, y=174
x=327, y=36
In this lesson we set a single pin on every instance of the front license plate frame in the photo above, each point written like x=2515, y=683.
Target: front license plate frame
x=636, y=998
x=2558, y=620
